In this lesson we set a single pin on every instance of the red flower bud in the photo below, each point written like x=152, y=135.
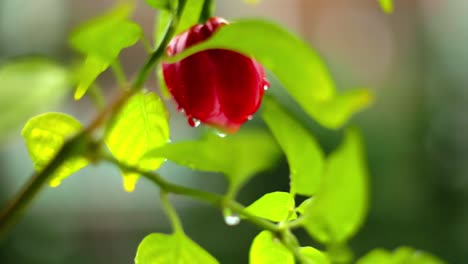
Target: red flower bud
x=220, y=88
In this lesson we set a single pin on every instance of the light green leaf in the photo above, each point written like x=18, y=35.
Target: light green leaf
x=92, y=67
x=101, y=40
x=386, y=5
x=339, y=207
x=27, y=86
x=302, y=207
x=314, y=256
x=267, y=249
x=142, y=125
x=239, y=156
x=297, y=67
x=190, y=15
x=275, y=206
x=404, y=255
x=160, y=4
x=107, y=35
x=304, y=155
x=45, y=135
x=169, y=249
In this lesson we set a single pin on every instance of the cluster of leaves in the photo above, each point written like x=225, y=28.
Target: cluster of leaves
x=333, y=188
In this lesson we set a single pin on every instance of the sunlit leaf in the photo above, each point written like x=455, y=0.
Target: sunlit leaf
x=239, y=156
x=304, y=155
x=267, y=249
x=386, y=5
x=314, y=256
x=401, y=255
x=275, y=206
x=45, y=135
x=302, y=207
x=169, y=249
x=101, y=40
x=339, y=207
x=27, y=86
x=297, y=67
x=142, y=125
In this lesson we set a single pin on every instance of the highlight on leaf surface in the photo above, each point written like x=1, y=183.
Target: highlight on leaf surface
x=400, y=255
x=298, y=67
x=275, y=206
x=339, y=207
x=45, y=135
x=101, y=40
x=304, y=155
x=267, y=249
x=238, y=157
x=29, y=85
x=168, y=249
x=142, y=125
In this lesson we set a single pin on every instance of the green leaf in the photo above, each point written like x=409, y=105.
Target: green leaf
x=314, y=256
x=297, y=67
x=107, y=35
x=404, y=255
x=91, y=68
x=302, y=207
x=45, y=135
x=239, y=156
x=275, y=206
x=142, y=125
x=169, y=249
x=304, y=155
x=160, y=4
x=386, y=5
x=190, y=15
x=102, y=39
x=267, y=249
x=27, y=86
x=339, y=207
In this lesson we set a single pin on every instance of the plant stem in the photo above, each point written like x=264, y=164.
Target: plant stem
x=119, y=73
x=171, y=213
x=17, y=206
x=211, y=198
x=22, y=199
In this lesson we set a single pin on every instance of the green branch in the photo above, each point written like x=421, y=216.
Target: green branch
x=14, y=209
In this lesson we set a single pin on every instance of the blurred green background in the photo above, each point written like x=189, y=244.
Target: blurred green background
x=415, y=61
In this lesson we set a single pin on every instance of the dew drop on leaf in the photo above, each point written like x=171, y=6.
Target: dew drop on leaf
x=232, y=220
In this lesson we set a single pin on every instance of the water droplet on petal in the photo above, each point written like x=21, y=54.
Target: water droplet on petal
x=250, y=117
x=220, y=134
x=232, y=220
x=193, y=122
x=266, y=87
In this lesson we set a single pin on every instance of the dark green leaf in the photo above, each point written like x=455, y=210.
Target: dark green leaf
x=314, y=256
x=386, y=5
x=169, y=249
x=404, y=255
x=27, y=86
x=297, y=67
x=142, y=125
x=304, y=155
x=267, y=249
x=45, y=135
x=275, y=206
x=238, y=156
x=339, y=207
